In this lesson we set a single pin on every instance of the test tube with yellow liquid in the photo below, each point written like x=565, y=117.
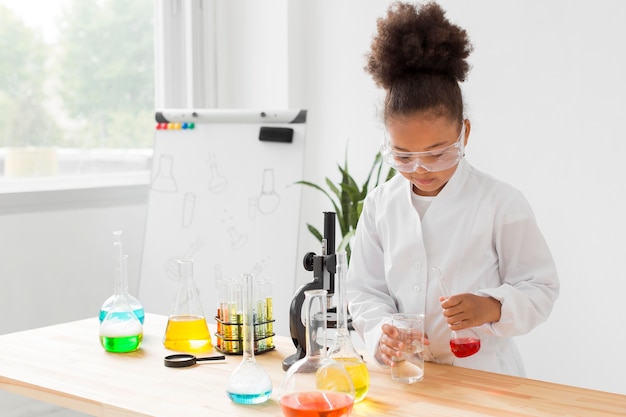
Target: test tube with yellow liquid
x=187, y=330
x=269, y=314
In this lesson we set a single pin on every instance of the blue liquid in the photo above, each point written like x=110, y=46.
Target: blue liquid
x=249, y=398
x=139, y=313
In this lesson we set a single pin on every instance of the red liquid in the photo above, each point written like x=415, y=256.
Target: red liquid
x=317, y=404
x=464, y=346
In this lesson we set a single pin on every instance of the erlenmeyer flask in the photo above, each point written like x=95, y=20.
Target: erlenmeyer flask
x=187, y=330
x=463, y=343
x=120, y=330
x=164, y=180
x=342, y=349
x=249, y=383
x=316, y=384
x=120, y=286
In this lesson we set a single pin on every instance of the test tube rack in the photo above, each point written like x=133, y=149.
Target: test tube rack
x=229, y=336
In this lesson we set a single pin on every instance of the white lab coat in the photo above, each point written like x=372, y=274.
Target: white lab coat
x=482, y=235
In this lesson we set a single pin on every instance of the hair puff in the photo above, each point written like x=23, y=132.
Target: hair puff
x=414, y=40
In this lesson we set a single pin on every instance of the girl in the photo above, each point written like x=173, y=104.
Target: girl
x=441, y=215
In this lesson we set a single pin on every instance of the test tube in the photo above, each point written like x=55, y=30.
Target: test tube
x=261, y=314
x=269, y=315
x=219, y=287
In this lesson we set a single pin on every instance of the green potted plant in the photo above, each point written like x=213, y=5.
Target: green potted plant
x=347, y=198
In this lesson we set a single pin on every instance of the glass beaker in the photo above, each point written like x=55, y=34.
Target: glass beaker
x=465, y=342
x=342, y=350
x=120, y=329
x=248, y=383
x=316, y=384
x=408, y=367
x=187, y=330
x=120, y=283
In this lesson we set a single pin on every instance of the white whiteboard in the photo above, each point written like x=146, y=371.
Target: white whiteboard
x=226, y=199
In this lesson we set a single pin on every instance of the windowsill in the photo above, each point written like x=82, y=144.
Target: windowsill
x=70, y=192
x=73, y=182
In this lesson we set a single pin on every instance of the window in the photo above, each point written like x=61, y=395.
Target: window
x=76, y=87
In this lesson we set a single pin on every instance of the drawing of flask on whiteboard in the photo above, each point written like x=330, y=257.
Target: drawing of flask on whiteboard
x=164, y=180
x=171, y=266
x=217, y=183
x=268, y=200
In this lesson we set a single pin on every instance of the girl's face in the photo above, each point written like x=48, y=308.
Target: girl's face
x=426, y=133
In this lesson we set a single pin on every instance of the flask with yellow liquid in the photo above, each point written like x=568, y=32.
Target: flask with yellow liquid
x=342, y=349
x=187, y=330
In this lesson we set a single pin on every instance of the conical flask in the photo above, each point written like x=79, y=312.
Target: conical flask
x=342, y=349
x=249, y=383
x=120, y=330
x=463, y=343
x=164, y=180
x=187, y=330
x=120, y=286
x=316, y=384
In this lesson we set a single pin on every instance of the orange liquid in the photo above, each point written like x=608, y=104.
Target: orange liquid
x=317, y=404
x=187, y=334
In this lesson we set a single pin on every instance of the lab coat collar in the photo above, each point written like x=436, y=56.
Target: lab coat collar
x=454, y=184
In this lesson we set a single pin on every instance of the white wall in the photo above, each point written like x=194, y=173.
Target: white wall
x=56, y=253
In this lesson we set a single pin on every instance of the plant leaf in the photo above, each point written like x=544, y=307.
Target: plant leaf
x=315, y=232
x=317, y=187
x=345, y=241
x=347, y=198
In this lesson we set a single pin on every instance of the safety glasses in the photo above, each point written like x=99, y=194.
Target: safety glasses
x=432, y=161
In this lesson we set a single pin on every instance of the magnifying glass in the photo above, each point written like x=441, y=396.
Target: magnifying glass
x=183, y=360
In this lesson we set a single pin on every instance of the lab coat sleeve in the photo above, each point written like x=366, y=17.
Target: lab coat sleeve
x=369, y=301
x=528, y=274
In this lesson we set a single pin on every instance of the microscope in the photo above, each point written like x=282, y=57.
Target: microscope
x=324, y=268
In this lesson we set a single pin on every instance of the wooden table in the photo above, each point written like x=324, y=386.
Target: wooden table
x=65, y=365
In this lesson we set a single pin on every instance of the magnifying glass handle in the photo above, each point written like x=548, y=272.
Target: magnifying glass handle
x=211, y=358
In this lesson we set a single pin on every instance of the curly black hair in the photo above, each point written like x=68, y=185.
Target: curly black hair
x=419, y=58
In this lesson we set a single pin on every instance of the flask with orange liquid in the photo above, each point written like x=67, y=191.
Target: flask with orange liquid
x=316, y=385
x=187, y=330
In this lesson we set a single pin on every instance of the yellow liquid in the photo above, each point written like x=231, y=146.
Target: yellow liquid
x=187, y=334
x=359, y=374
x=269, y=314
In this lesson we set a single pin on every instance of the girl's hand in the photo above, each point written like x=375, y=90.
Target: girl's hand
x=389, y=345
x=468, y=310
